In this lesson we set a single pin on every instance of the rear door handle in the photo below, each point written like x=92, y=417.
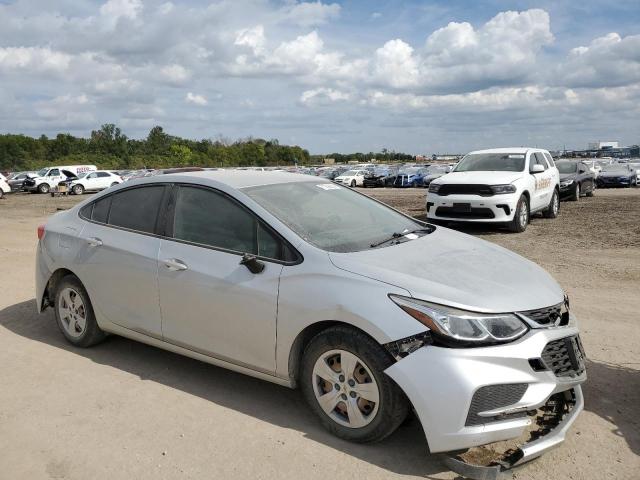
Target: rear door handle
x=94, y=242
x=174, y=264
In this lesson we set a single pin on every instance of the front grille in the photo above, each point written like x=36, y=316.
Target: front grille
x=462, y=189
x=548, y=316
x=564, y=357
x=492, y=397
x=470, y=214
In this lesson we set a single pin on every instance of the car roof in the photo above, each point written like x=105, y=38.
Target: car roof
x=510, y=150
x=244, y=178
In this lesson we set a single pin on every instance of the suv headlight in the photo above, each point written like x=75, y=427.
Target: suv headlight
x=565, y=183
x=498, y=189
x=456, y=327
x=434, y=187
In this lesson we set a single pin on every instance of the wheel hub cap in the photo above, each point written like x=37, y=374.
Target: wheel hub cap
x=72, y=312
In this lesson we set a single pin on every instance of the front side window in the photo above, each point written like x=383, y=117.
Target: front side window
x=54, y=172
x=492, y=162
x=212, y=219
x=136, y=208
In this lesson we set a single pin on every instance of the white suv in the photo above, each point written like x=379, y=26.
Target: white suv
x=94, y=181
x=501, y=185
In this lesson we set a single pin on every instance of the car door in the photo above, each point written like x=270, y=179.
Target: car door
x=543, y=182
x=90, y=181
x=103, y=180
x=211, y=303
x=118, y=262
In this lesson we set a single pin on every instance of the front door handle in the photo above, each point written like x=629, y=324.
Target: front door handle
x=175, y=265
x=94, y=242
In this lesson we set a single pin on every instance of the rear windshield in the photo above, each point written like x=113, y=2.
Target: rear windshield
x=491, y=162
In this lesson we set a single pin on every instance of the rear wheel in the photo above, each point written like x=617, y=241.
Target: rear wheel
x=342, y=379
x=554, y=206
x=353, y=183
x=521, y=216
x=44, y=188
x=1, y=193
x=78, y=189
x=74, y=313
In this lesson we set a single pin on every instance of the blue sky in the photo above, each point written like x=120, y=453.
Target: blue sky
x=421, y=77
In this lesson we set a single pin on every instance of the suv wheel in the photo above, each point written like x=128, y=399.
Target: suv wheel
x=78, y=189
x=74, y=313
x=44, y=188
x=342, y=379
x=521, y=216
x=554, y=206
x=353, y=183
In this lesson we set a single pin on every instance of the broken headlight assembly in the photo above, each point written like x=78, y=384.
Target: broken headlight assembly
x=453, y=327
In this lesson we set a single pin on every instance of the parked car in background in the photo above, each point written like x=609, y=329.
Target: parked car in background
x=433, y=172
x=503, y=185
x=575, y=179
x=4, y=186
x=617, y=175
x=16, y=179
x=93, y=182
x=381, y=177
x=370, y=312
x=409, y=177
x=594, y=166
x=635, y=165
x=352, y=178
x=47, y=178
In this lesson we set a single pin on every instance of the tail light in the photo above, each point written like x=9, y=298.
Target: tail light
x=40, y=231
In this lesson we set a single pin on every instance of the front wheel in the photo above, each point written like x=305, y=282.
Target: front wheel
x=554, y=206
x=343, y=382
x=575, y=195
x=78, y=189
x=521, y=216
x=44, y=188
x=74, y=313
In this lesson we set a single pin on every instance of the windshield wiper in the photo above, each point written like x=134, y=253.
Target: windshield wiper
x=397, y=235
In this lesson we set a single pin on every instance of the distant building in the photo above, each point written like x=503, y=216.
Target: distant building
x=329, y=161
x=602, y=145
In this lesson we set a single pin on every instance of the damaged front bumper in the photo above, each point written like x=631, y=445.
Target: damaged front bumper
x=467, y=397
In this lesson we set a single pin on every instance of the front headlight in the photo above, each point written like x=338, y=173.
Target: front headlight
x=456, y=326
x=434, y=187
x=498, y=189
x=565, y=183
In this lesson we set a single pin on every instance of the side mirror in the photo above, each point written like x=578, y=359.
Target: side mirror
x=537, y=168
x=252, y=263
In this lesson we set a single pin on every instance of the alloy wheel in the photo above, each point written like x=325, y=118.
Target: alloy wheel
x=73, y=312
x=345, y=388
x=524, y=215
x=556, y=204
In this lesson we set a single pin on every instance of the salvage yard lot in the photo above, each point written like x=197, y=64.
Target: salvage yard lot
x=126, y=410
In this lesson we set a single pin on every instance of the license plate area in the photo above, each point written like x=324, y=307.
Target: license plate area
x=462, y=207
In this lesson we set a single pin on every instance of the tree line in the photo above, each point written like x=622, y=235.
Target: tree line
x=109, y=148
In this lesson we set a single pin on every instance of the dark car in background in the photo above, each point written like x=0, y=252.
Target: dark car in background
x=381, y=177
x=433, y=172
x=617, y=175
x=16, y=180
x=576, y=179
x=410, y=177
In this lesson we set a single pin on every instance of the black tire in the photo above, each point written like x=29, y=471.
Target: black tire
x=518, y=224
x=575, y=194
x=1, y=193
x=92, y=333
x=44, y=188
x=353, y=184
x=592, y=191
x=553, y=209
x=393, y=406
x=78, y=189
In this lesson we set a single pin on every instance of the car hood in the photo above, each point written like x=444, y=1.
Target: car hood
x=619, y=173
x=567, y=176
x=459, y=270
x=486, y=178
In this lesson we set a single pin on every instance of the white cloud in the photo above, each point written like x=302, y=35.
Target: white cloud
x=308, y=14
x=195, y=99
x=175, y=74
x=33, y=59
x=319, y=96
x=252, y=38
x=121, y=8
x=396, y=66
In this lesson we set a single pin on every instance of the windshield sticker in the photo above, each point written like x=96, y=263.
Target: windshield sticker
x=411, y=236
x=329, y=186
x=516, y=156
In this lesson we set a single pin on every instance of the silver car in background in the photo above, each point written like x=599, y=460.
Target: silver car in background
x=306, y=283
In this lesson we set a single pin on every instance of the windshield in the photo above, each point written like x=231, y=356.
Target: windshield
x=491, y=162
x=329, y=216
x=82, y=175
x=567, y=167
x=437, y=169
x=349, y=173
x=43, y=172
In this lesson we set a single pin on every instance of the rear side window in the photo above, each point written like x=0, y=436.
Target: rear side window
x=136, y=208
x=101, y=210
x=549, y=159
x=103, y=174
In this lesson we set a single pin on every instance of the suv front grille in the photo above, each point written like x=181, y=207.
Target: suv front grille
x=564, y=357
x=464, y=189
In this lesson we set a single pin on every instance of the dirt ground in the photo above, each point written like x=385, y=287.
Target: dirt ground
x=126, y=410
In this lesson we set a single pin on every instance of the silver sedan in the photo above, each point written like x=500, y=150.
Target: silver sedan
x=306, y=283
